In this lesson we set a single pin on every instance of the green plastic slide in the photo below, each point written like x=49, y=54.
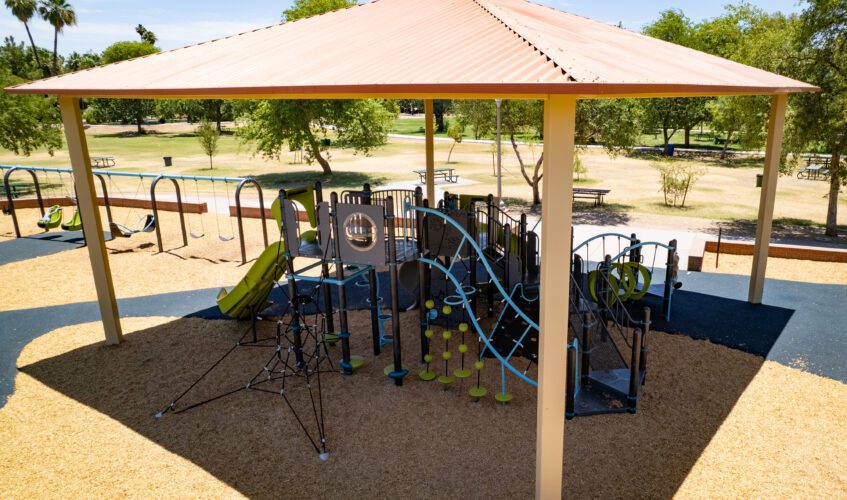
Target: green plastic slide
x=305, y=196
x=52, y=219
x=251, y=293
x=75, y=223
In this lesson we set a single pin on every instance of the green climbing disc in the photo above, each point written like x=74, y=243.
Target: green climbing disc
x=479, y=365
x=331, y=338
x=427, y=358
x=427, y=375
x=461, y=373
x=478, y=392
x=430, y=304
x=463, y=348
x=447, y=335
x=503, y=397
x=447, y=310
x=626, y=279
x=463, y=327
x=445, y=379
x=446, y=355
x=357, y=362
x=390, y=368
x=594, y=285
x=645, y=280
x=429, y=333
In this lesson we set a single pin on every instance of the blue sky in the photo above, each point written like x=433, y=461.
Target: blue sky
x=182, y=22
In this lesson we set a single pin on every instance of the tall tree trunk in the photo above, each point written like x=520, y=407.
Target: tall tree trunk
x=687, y=136
x=726, y=144
x=139, y=121
x=451, y=152
x=835, y=176
x=536, y=181
x=218, y=116
x=55, y=52
x=34, y=49
x=315, y=152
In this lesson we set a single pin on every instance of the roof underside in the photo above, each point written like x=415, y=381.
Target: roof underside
x=416, y=48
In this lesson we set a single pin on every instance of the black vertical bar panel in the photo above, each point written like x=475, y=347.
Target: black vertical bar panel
x=570, y=402
x=326, y=288
x=645, y=329
x=398, y=373
x=423, y=268
x=346, y=367
x=11, y=202
x=507, y=257
x=293, y=302
x=522, y=245
x=491, y=233
x=605, y=294
x=374, y=299
x=632, y=398
x=473, y=257
x=586, y=347
x=669, y=271
x=633, y=252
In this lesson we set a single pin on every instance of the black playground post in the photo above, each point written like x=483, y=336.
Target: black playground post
x=293, y=301
x=326, y=288
x=645, y=328
x=571, y=383
x=634, y=371
x=344, y=334
x=398, y=372
x=472, y=255
x=669, y=276
x=374, y=300
x=423, y=275
x=586, y=347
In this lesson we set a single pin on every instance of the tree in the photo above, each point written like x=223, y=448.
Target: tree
x=59, y=14
x=308, y=8
x=146, y=35
x=522, y=117
x=123, y=110
x=677, y=178
x=27, y=122
x=614, y=123
x=18, y=59
x=78, y=62
x=455, y=132
x=479, y=115
x=208, y=136
x=359, y=124
x=441, y=107
x=24, y=10
x=198, y=110
x=818, y=120
x=671, y=26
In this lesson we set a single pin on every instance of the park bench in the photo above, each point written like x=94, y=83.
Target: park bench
x=440, y=173
x=103, y=161
x=590, y=194
x=813, y=172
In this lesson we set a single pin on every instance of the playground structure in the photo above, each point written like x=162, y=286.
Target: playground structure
x=51, y=216
x=455, y=259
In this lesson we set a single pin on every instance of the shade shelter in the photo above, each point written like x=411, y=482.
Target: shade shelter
x=430, y=49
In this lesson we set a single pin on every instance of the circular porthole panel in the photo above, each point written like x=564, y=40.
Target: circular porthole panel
x=360, y=231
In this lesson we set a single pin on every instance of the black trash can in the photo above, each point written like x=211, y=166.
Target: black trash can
x=759, y=178
x=168, y=161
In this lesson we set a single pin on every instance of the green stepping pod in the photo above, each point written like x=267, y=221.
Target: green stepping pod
x=251, y=293
x=75, y=222
x=52, y=218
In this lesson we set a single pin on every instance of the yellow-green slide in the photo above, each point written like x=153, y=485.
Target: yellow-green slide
x=251, y=293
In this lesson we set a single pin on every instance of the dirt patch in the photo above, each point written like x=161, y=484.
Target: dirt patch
x=807, y=271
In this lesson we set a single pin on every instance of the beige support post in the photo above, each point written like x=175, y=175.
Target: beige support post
x=430, y=152
x=773, y=152
x=90, y=213
x=557, y=193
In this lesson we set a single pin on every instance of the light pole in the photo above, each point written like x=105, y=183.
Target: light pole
x=499, y=157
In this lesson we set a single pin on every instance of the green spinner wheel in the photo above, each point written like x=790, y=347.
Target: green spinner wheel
x=427, y=375
x=445, y=379
x=503, y=397
x=478, y=392
x=461, y=373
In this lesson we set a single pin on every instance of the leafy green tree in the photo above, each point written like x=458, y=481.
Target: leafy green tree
x=123, y=110
x=146, y=35
x=308, y=8
x=77, y=61
x=440, y=107
x=522, y=117
x=24, y=10
x=59, y=14
x=410, y=106
x=18, y=59
x=197, y=110
x=455, y=132
x=819, y=120
x=672, y=26
x=479, y=115
x=614, y=123
x=360, y=124
x=208, y=136
x=27, y=122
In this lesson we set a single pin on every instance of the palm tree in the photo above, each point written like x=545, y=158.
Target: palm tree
x=24, y=10
x=59, y=14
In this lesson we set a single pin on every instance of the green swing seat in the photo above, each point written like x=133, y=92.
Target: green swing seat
x=250, y=295
x=52, y=218
x=305, y=196
x=75, y=223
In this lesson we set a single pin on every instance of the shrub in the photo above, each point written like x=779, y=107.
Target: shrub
x=677, y=178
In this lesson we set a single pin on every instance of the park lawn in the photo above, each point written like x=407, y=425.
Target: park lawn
x=724, y=193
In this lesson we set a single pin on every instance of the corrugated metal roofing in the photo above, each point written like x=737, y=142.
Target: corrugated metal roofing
x=424, y=47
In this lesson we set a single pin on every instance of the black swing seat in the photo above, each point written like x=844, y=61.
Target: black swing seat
x=122, y=231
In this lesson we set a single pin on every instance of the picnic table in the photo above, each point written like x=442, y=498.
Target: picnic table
x=445, y=173
x=590, y=194
x=103, y=161
x=813, y=172
x=19, y=188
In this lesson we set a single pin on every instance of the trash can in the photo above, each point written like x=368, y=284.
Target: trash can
x=759, y=178
x=168, y=161
x=669, y=151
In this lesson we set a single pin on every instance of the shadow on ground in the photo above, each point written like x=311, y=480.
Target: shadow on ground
x=439, y=441
x=610, y=214
x=336, y=180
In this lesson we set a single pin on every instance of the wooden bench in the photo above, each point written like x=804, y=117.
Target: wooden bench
x=442, y=173
x=103, y=161
x=590, y=194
